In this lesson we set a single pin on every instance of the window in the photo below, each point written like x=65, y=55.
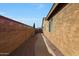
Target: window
x=49, y=25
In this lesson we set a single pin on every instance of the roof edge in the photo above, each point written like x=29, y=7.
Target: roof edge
x=55, y=8
x=51, y=10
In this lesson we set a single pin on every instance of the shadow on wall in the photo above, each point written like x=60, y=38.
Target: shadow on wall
x=27, y=48
x=13, y=34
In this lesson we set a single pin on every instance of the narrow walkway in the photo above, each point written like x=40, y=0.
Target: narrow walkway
x=32, y=47
x=51, y=47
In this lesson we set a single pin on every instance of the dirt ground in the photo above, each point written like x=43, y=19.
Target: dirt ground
x=32, y=47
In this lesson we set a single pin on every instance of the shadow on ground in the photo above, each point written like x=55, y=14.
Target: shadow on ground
x=32, y=47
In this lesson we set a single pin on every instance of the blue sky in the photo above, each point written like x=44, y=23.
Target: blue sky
x=27, y=13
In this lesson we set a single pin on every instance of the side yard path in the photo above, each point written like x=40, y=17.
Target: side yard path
x=32, y=47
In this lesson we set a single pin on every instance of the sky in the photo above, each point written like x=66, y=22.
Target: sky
x=27, y=13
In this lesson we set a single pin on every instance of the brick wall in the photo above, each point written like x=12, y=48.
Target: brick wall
x=65, y=33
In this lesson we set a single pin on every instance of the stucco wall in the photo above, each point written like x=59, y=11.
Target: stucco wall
x=65, y=33
x=12, y=36
x=45, y=25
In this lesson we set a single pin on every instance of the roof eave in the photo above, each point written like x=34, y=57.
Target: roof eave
x=51, y=10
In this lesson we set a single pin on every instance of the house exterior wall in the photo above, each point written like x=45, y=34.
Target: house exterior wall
x=45, y=25
x=12, y=35
x=65, y=30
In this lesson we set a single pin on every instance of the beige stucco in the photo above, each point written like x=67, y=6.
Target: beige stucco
x=65, y=33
